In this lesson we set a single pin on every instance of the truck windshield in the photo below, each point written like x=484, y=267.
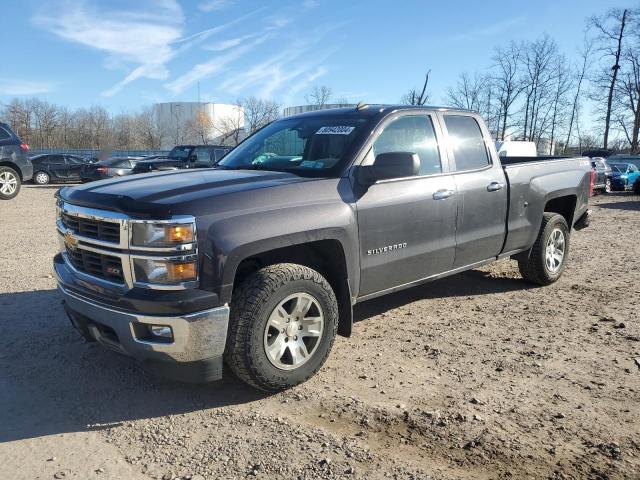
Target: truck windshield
x=312, y=146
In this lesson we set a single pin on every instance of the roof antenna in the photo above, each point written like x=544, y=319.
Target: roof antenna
x=361, y=105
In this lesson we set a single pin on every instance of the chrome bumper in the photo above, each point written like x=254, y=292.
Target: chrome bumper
x=196, y=336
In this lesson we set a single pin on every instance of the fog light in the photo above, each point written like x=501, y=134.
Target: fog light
x=161, y=331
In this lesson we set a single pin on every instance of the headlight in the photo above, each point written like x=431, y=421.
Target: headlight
x=165, y=272
x=162, y=234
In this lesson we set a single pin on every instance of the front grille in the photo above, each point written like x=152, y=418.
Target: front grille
x=96, y=229
x=96, y=264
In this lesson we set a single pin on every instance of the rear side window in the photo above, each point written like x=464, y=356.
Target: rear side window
x=56, y=159
x=203, y=154
x=123, y=164
x=413, y=134
x=4, y=135
x=467, y=142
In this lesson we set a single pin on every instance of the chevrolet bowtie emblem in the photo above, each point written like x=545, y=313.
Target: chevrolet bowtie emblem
x=70, y=240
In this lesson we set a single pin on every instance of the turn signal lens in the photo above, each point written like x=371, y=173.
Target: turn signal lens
x=181, y=271
x=178, y=233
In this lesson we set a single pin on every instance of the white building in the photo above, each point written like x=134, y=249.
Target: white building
x=197, y=122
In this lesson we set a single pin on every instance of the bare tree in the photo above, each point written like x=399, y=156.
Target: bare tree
x=467, y=92
x=611, y=32
x=508, y=85
x=416, y=96
x=230, y=129
x=559, y=99
x=580, y=75
x=200, y=127
x=319, y=95
x=628, y=99
x=539, y=59
x=258, y=113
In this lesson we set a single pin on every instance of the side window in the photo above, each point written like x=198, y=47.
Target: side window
x=73, y=161
x=218, y=153
x=56, y=160
x=469, y=149
x=123, y=164
x=414, y=134
x=4, y=135
x=203, y=155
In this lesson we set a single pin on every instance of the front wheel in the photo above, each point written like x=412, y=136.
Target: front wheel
x=546, y=260
x=283, y=323
x=41, y=178
x=9, y=183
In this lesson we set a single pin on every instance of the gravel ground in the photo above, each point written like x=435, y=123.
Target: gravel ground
x=475, y=376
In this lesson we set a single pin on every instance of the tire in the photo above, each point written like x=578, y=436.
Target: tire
x=254, y=307
x=534, y=267
x=41, y=178
x=9, y=183
x=636, y=187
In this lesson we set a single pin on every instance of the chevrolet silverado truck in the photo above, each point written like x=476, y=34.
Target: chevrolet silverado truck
x=259, y=260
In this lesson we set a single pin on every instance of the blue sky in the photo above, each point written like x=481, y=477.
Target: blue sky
x=125, y=54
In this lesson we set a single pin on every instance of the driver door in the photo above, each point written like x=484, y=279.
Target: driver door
x=407, y=225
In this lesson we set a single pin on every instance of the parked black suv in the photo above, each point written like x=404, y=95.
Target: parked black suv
x=184, y=156
x=15, y=166
x=57, y=168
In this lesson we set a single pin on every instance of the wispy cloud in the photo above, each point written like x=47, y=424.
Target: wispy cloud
x=23, y=87
x=489, y=31
x=148, y=35
x=310, y=3
x=140, y=36
x=292, y=69
x=212, y=5
x=214, y=66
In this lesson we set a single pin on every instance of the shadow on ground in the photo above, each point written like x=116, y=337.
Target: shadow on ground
x=52, y=381
x=632, y=205
x=466, y=284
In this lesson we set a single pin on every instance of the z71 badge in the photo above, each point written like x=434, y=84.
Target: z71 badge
x=388, y=248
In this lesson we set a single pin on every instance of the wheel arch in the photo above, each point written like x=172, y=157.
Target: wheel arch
x=326, y=256
x=12, y=166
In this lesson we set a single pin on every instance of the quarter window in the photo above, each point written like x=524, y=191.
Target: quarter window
x=4, y=134
x=413, y=134
x=467, y=142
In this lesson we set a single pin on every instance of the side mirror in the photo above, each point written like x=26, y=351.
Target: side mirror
x=389, y=165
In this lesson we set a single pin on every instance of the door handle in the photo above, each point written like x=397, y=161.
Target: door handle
x=495, y=186
x=442, y=194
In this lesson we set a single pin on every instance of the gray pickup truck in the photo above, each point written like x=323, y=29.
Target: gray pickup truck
x=259, y=260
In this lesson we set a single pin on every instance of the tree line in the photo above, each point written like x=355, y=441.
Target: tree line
x=529, y=91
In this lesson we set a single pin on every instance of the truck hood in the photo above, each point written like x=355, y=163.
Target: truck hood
x=162, y=194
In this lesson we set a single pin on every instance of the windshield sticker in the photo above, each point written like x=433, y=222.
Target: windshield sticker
x=339, y=130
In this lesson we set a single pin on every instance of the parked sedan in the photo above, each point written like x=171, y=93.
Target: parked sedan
x=56, y=168
x=624, y=176
x=109, y=168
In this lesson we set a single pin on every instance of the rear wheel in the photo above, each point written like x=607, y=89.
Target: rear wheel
x=41, y=178
x=9, y=183
x=547, y=258
x=283, y=324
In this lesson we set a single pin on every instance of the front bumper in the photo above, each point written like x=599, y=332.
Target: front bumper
x=195, y=353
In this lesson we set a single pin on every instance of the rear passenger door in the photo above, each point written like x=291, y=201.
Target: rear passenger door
x=57, y=167
x=407, y=225
x=74, y=165
x=482, y=190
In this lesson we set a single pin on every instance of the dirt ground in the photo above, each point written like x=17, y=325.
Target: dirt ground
x=476, y=376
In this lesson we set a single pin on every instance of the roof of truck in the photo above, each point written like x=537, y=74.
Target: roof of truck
x=375, y=109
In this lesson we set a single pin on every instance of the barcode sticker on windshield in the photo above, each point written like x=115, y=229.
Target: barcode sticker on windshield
x=340, y=130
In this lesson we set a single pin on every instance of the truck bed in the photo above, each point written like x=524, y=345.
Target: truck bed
x=535, y=181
